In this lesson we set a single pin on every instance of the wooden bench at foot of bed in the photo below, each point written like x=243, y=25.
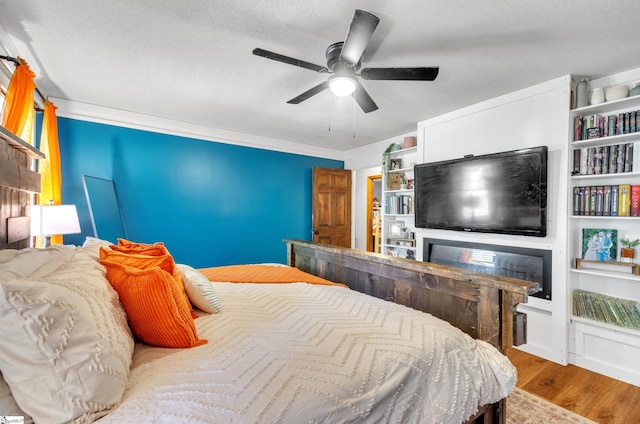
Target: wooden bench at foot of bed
x=481, y=305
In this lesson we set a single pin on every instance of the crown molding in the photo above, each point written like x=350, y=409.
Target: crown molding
x=109, y=116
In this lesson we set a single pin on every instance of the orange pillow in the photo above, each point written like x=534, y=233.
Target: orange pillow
x=156, y=311
x=136, y=260
x=143, y=261
x=155, y=249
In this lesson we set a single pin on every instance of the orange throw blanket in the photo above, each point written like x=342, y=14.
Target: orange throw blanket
x=263, y=274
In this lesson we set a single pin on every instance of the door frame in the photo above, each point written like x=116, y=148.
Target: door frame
x=370, y=189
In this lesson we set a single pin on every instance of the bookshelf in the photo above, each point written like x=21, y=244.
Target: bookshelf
x=398, y=204
x=599, y=299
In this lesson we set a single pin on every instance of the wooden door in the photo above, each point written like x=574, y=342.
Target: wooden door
x=332, y=206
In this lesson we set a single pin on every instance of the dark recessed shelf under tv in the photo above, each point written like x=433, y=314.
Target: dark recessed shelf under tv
x=508, y=261
x=504, y=193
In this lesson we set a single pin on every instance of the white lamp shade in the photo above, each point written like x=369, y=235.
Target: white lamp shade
x=342, y=86
x=54, y=219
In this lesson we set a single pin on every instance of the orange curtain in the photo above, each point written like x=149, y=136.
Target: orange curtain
x=49, y=167
x=19, y=111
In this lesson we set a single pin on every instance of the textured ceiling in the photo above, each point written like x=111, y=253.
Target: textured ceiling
x=191, y=60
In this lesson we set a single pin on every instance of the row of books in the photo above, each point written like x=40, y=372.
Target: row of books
x=398, y=204
x=607, y=309
x=596, y=126
x=614, y=159
x=607, y=200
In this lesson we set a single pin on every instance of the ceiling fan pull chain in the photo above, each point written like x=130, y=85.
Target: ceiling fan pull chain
x=354, y=116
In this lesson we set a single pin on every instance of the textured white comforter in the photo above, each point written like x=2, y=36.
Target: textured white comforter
x=301, y=353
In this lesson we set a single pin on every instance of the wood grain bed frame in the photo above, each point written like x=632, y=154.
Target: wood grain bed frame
x=483, y=306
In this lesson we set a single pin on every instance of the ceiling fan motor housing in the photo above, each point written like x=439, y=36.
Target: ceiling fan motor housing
x=334, y=63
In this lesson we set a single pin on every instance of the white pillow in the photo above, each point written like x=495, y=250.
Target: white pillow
x=66, y=346
x=92, y=241
x=199, y=289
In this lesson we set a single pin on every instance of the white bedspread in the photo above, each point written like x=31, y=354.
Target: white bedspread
x=300, y=353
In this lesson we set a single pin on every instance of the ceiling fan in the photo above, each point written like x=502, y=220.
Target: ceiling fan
x=343, y=62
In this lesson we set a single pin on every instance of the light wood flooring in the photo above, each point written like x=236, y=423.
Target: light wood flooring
x=594, y=396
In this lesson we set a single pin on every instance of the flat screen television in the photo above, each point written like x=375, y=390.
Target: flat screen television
x=504, y=193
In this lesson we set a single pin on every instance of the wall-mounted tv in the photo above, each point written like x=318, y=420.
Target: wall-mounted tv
x=504, y=193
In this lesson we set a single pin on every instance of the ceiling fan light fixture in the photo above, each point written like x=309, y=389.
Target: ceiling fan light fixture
x=342, y=85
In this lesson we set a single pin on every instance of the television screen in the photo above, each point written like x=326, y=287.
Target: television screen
x=503, y=193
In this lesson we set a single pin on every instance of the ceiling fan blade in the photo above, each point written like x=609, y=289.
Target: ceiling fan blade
x=363, y=99
x=360, y=31
x=309, y=93
x=286, y=59
x=404, y=74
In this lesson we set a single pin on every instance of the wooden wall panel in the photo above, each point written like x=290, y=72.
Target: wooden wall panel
x=17, y=184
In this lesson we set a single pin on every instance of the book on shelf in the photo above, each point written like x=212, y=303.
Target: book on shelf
x=401, y=204
x=635, y=200
x=608, y=309
x=621, y=159
x=613, y=159
x=606, y=206
x=599, y=200
x=594, y=126
x=606, y=200
x=624, y=200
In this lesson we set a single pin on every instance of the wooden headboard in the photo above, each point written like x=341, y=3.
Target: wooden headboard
x=481, y=305
x=18, y=183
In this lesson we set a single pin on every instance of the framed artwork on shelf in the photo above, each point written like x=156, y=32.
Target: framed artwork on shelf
x=599, y=244
x=395, y=228
x=396, y=163
x=410, y=183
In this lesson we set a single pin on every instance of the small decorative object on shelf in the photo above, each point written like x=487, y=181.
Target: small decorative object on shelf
x=617, y=92
x=628, y=250
x=597, y=96
x=581, y=93
x=396, y=163
x=394, y=180
x=410, y=142
x=635, y=90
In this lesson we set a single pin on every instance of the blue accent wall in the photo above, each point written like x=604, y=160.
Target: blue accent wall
x=210, y=203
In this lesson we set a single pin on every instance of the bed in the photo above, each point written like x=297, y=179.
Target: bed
x=344, y=337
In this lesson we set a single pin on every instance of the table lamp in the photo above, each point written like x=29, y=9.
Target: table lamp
x=52, y=220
